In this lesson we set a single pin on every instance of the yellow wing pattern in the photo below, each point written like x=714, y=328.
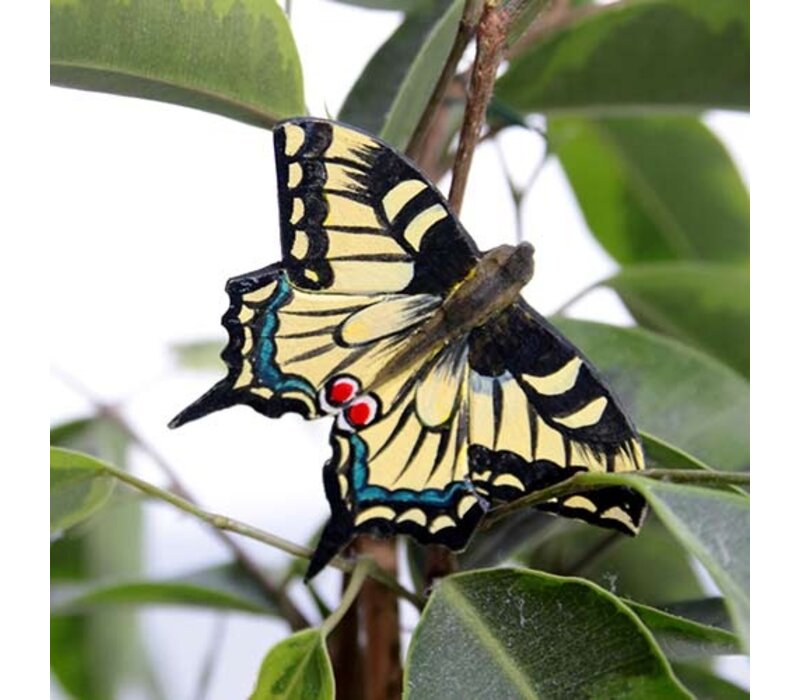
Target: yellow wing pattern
x=370, y=252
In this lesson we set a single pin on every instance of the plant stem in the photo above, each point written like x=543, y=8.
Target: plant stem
x=466, y=30
x=223, y=522
x=590, y=481
x=491, y=35
x=357, y=578
x=211, y=658
x=383, y=674
x=704, y=477
x=290, y=612
x=344, y=648
x=569, y=302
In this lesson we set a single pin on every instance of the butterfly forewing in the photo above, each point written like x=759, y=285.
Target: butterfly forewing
x=356, y=217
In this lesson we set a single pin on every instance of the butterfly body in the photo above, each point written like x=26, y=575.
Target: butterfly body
x=493, y=285
x=449, y=393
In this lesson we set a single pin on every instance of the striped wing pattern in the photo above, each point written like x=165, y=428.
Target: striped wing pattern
x=370, y=252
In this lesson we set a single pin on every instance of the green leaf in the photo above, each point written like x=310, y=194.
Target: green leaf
x=715, y=527
x=298, y=668
x=680, y=638
x=201, y=355
x=95, y=656
x=78, y=488
x=524, y=15
x=402, y=5
x=70, y=432
x=522, y=634
x=673, y=392
x=221, y=587
x=393, y=91
x=707, y=686
x=650, y=568
x=499, y=543
x=704, y=305
x=236, y=58
x=637, y=56
x=705, y=611
x=656, y=189
x=663, y=455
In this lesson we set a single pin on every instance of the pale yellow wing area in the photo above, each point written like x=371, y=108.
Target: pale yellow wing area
x=356, y=216
x=291, y=343
x=409, y=469
x=516, y=450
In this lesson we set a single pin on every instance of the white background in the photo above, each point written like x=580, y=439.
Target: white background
x=150, y=209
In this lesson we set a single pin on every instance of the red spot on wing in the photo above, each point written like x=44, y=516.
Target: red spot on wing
x=341, y=391
x=361, y=412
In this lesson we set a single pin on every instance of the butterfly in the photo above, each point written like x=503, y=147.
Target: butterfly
x=450, y=394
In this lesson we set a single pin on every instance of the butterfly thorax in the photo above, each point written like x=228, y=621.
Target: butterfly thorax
x=492, y=285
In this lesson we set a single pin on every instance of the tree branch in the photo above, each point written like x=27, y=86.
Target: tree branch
x=466, y=30
x=491, y=36
x=383, y=674
x=223, y=522
x=344, y=647
x=360, y=572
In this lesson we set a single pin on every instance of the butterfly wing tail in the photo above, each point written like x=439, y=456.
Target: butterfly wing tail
x=215, y=399
x=339, y=529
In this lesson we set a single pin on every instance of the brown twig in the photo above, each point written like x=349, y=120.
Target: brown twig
x=439, y=562
x=466, y=30
x=344, y=647
x=490, y=44
x=490, y=39
x=383, y=674
x=291, y=613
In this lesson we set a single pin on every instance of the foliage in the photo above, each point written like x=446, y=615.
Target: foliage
x=618, y=88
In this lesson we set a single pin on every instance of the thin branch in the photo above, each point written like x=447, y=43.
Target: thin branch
x=608, y=542
x=520, y=194
x=576, y=297
x=383, y=674
x=291, y=613
x=491, y=35
x=223, y=522
x=591, y=481
x=359, y=574
x=344, y=648
x=701, y=477
x=211, y=657
x=466, y=30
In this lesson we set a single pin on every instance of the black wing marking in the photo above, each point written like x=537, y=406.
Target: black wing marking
x=358, y=217
x=558, y=417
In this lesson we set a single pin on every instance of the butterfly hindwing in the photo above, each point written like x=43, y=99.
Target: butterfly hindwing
x=541, y=412
x=407, y=470
x=520, y=408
